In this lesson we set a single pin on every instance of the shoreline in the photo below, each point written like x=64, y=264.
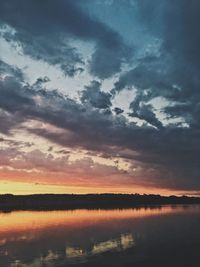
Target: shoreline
x=48, y=202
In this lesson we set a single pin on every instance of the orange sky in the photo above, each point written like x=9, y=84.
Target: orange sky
x=25, y=188
x=97, y=107
x=40, y=171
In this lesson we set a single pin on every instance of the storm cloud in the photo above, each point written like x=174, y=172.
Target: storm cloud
x=82, y=126
x=154, y=133
x=44, y=31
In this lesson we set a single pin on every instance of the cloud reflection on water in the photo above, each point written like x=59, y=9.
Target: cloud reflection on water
x=98, y=237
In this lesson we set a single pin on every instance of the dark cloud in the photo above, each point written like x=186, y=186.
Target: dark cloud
x=145, y=76
x=41, y=81
x=51, y=48
x=43, y=29
x=71, y=70
x=166, y=158
x=14, y=97
x=107, y=61
x=173, y=71
x=9, y=121
x=15, y=143
x=118, y=110
x=144, y=111
x=97, y=98
x=163, y=156
x=11, y=70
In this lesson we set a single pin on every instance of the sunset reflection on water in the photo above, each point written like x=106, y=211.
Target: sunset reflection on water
x=65, y=238
x=20, y=220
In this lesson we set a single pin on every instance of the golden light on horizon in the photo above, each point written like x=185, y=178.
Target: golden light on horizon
x=27, y=188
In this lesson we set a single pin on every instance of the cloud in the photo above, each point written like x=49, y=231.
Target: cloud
x=118, y=110
x=107, y=61
x=97, y=98
x=172, y=72
x=40, y=167
x=9, y=121
x=144, y=111
x=168, y=157
x=11, y=70
x=45, y=29
x=15, y=143
x=162, y=153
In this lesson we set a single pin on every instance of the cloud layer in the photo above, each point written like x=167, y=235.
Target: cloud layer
x=154, y=142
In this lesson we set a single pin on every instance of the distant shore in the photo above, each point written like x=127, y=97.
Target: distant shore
x=10, y=202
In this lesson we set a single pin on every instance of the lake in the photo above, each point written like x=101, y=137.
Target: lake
x=157, y=236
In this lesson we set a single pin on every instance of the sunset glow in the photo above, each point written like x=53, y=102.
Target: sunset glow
x=25, y=221
x=99, y=133
x=99, y=97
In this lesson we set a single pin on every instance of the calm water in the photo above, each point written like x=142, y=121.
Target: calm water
x=167, y=236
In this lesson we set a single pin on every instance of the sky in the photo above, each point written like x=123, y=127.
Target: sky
x=100, y=96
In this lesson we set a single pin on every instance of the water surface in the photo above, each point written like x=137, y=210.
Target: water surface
x=164, y=236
